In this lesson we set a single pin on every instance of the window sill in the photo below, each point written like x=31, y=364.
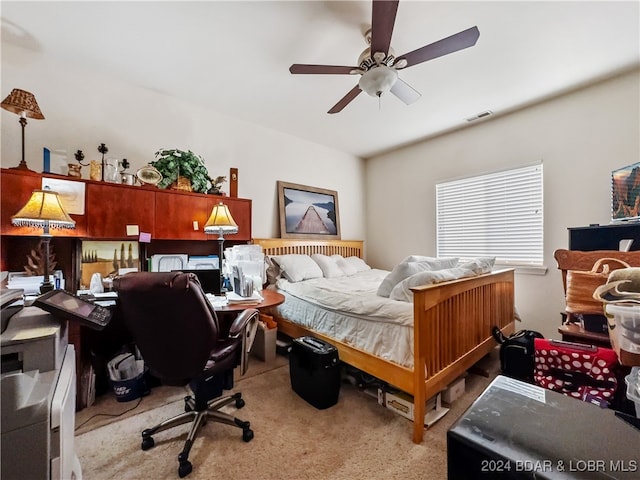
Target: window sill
x=526, y=269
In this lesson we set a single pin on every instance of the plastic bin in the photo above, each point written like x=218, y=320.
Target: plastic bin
x=314, y=368
x=627, y=320
x=633, y=388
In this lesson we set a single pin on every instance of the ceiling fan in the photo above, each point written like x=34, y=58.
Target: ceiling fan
x=379, y=67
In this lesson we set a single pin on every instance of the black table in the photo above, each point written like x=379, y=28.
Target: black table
x=517, y=430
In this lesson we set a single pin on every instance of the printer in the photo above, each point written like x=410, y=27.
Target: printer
x=38, y=389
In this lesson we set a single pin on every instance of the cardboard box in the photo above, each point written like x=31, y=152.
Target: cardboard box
x=402, y=404
x=264, y=345
x=454, y=391
x=399, y=402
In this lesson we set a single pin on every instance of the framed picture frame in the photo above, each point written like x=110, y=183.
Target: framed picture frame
x=108, y=258
x=308, y=212
x=625, y=193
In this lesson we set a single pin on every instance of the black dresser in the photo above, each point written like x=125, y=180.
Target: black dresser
x=604, y=237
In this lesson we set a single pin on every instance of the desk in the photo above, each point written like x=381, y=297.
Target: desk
x=264, y=346
x=271, y=299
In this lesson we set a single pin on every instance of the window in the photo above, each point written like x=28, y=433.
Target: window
x=497, y=215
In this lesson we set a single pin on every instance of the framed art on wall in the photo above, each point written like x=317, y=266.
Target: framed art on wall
x=625, y=193
x=308, y=212
x=108, y=258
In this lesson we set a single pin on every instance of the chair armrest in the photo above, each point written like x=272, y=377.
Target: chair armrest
x=241, y=321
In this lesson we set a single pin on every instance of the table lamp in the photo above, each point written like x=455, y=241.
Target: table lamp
x=220, y=222
x=44, y=210
x=24, y=104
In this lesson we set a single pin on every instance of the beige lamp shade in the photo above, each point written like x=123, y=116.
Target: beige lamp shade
x=22, y=103
x=43, y=210
x=220, y=221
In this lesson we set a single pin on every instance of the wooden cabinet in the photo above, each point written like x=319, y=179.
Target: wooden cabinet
x=176, y=213
x=240, y=209
x=16, y=187
x=112, y=207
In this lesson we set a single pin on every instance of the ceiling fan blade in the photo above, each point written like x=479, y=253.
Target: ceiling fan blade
x=459, y=41
x=405, y=92
x=382, y=19
x=320, y=69
x=345, y=100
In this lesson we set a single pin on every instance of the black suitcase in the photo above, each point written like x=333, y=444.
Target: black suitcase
x=314, y=371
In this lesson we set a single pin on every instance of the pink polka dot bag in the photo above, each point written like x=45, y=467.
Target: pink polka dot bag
x=585, y=372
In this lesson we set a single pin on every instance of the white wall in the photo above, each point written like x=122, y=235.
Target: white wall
x=580, y=137
x=83, y=109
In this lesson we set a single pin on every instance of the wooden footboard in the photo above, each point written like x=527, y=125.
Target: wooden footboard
x=452, y=331
x=452, y=326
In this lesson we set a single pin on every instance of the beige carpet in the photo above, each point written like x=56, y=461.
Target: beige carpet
x=355, y=439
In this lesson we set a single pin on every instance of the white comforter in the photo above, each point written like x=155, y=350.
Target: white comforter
x=352, y=295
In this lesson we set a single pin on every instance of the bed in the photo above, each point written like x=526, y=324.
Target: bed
x=443, y=350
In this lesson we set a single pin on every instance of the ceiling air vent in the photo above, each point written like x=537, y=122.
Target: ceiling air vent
x=480, y=115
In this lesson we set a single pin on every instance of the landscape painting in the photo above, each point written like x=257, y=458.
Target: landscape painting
x=625, y=193
x=308, y=212
x=107, y=258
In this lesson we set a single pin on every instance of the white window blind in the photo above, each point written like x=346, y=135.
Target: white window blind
x=497, y=215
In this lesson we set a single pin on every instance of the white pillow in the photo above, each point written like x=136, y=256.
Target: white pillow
x=359, y=264
x=347, y=268
x=296, y=267
x=478, y=265
x=402, y=291
x=272, y=269
x=418, y=258
x=471, y=268
x=328, y=265
x=406, y=269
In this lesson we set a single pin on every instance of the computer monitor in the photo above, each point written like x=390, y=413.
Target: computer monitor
x=209, y=278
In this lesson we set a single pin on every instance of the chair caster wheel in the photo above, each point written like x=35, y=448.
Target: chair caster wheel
x=239, y=403
x=147, y=443
x=247, y=435
x=184, y=469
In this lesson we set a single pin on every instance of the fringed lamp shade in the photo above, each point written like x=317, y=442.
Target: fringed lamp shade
x=43, y=210
x=220, y=221
x=22, y=103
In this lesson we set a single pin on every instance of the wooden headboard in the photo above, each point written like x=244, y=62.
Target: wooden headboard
x=286, y=246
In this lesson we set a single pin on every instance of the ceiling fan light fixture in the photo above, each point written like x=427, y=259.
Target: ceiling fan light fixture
x=378, y=80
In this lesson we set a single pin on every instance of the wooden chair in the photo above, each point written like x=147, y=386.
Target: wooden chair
x=584, y=260
x=581, y=260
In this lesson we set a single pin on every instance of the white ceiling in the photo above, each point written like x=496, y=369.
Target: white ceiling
x=234, y=57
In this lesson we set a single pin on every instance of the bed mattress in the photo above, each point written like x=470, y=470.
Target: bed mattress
x=348, y=309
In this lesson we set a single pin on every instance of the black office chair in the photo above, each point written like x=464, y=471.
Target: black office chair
x=177, y=332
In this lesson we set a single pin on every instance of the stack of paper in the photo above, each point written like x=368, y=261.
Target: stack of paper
x=217, y=301
x=253, y=299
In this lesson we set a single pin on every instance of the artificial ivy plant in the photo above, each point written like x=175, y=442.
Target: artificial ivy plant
x=173, y=163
